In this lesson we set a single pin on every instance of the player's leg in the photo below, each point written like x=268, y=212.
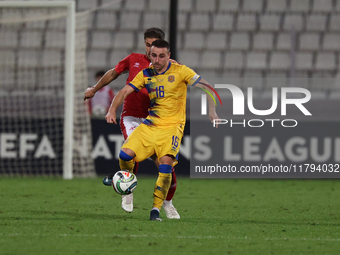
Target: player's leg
x=162, y=185
x=167, y=148
x=126, y=163
x=169, y=208
x=173, y=185
x=136, y=148
x=127, y=125
x=126, y=157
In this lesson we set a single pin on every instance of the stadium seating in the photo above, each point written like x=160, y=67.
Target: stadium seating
x=223, y=22
x=216, y=41
x=234, y=60
x=270, y=22
x=55, y=39
x=8, y=39
x=86, y=4
x=158, y=5
x=101, y=40
x=279, y=61
x=51, y=58
x=132, y=5
x=255, y=39
x=263, y=41
x=124, y=40
x=205, y=6
x=189, y=58
x=331, y=42
x=199, y=22
x=284, y=41
x=114, y=7
x=276, y=5
x=246, y=22
x=299, y=5
x=239, y=41
x=211, y=60
x=130, y=21
x=322, y=6
x=309, y=41
x=335, y=23
x=185, y=5
x=256, y=60
x=152, y=18
x=253, y=5
x=106, y=20
x=230, y=6
x=316, y=22
x=293, y=21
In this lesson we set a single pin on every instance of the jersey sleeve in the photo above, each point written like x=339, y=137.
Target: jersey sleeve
x=138, y=82
x=189, y=75
x=123, y=65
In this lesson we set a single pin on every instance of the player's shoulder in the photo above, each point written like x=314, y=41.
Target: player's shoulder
x=179, y=67
x=137, y=56
x=149, y=71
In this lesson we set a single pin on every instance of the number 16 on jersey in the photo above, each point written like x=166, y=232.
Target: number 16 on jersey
x=160, y=91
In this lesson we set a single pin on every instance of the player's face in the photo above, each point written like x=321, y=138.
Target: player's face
x=160, y=58
x=148, y=42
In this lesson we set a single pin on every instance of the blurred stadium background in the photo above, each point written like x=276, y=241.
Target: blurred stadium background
x=265, y=42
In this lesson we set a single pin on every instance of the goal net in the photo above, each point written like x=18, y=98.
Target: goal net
x=45, y=127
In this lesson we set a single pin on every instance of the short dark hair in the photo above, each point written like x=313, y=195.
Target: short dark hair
x=161, y=44
x=154, y=32
x=99, y=74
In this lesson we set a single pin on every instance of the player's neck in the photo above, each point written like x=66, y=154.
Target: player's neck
x=164, y=68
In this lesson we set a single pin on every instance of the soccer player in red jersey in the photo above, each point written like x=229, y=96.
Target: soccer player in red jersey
x=135, y=109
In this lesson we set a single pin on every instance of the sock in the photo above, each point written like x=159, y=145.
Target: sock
x=167, y=202
x=125, y=161
x=173, y=186
x=162, y=185
x=135, y=169
x=155, y=208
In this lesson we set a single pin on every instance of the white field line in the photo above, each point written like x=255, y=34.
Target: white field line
x=179, y=237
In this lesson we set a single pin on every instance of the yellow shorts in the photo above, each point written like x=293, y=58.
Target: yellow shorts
x=148, y=140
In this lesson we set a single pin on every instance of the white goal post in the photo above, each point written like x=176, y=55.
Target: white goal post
x=68, y=147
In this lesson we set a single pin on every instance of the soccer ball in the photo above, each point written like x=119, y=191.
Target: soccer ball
x=124, y=182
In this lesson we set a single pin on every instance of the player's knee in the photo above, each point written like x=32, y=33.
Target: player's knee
x=165, y=169
x=124, y=156
x=167, y=159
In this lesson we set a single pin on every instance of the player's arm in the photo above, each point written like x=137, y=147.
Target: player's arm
x=134, y=86
x=116, y=102
x=108, y=77
x=195, y=80
x=212, y=107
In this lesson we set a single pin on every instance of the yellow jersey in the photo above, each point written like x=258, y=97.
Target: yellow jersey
x=167, y=93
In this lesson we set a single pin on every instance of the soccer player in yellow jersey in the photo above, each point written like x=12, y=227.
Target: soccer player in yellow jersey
x=162, y=131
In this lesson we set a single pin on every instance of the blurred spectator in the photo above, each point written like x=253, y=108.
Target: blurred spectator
x=100, y=103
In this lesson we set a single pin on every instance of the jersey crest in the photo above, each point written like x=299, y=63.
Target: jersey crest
x=171, y=78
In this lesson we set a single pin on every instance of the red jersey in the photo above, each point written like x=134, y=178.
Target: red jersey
x=135, y=104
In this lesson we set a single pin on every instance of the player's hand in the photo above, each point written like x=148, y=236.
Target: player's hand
x=111, y=118
x=89, y=93
x=213, y=116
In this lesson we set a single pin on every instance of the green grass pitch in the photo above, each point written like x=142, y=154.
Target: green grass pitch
x=82, y=216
